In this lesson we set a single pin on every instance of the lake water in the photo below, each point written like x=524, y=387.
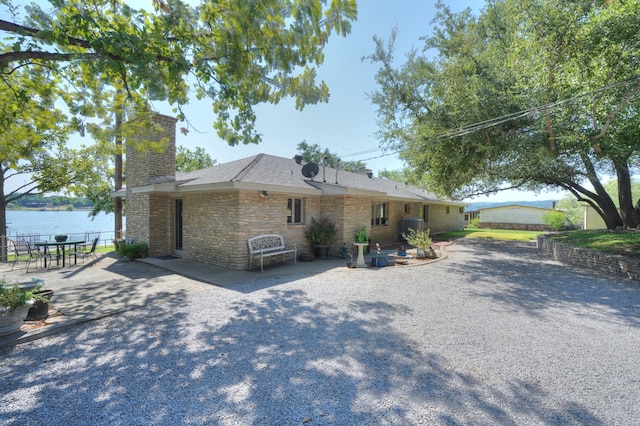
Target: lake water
x=49, y=223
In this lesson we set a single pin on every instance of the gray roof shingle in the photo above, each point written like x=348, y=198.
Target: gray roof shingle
x=269, y=170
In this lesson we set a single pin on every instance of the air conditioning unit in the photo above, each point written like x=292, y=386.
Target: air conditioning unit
x=415, y=223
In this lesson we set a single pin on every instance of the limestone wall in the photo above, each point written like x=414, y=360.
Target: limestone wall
x=623, y=266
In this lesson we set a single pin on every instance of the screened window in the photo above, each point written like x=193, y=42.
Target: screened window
x=295, y=210
x=379, y=214
x=425, y=213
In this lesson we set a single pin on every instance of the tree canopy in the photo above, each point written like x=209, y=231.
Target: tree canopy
x=235, y=53
x=313, y=153
x=191, y=160
x=529, y=94
x=87, y=65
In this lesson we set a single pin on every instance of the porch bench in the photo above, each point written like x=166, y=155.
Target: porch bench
x=268, y=245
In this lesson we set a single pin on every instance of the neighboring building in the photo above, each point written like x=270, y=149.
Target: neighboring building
x=208, y=215
x=517, y=217
x=591, y=219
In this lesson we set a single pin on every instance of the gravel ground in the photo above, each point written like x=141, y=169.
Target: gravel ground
x=494, y=334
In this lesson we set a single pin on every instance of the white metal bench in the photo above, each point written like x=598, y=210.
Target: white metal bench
x=268, y=245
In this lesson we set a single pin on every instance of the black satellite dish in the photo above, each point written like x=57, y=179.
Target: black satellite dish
x=310, y=170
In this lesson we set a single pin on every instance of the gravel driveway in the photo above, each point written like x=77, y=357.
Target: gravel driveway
x=494, y=334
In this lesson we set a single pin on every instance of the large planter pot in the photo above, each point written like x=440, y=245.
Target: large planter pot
x=320, y=251
x=11, y=321
x=379, y=261
x=40, y=308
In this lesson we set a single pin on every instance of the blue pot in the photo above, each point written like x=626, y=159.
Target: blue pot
x=379, y=262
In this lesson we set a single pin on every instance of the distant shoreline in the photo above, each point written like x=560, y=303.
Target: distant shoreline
x=47, y=209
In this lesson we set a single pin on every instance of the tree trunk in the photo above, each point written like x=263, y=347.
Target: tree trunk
x=117, y=209
x=630, y=215
x=3, y=217
x=607, y=208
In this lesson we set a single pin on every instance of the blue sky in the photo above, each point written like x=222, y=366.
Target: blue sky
x=347, y=123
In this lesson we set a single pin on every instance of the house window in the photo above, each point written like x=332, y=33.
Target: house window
x=407, y=208
x=380, y=214
x=447, y=210
x=425, y=213
x=295, y=209
x=461, y=210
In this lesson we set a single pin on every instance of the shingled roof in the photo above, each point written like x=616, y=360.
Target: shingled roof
x=278, y=174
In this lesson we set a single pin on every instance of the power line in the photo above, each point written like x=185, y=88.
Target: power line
x=481, y=125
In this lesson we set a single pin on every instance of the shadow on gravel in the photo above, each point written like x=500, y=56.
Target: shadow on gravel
x=284, y=359
x=528, y=281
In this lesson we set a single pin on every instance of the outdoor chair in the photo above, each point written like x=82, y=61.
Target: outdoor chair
x=91, y=252
x=12, y=247
x=35, y=255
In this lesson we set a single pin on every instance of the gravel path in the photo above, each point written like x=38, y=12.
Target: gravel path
x=494, y=334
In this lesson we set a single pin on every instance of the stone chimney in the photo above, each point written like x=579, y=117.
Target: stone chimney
x=151, y=158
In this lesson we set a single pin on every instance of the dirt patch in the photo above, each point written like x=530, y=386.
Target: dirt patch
x=54, y=316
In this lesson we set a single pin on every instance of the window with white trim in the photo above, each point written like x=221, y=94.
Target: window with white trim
x=295, y=210
x=379, y=214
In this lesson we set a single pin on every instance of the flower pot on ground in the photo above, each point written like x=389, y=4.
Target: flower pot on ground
x=14, y=306
x=322, y=234
x=40, y=308
x=379, y=261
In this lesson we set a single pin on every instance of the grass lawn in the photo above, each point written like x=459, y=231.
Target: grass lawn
x=496, y=234
x=623, y=242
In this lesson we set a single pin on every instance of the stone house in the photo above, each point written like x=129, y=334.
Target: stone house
x=208, y=215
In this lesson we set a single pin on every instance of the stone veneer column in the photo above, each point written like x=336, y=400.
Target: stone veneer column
x=148, y=217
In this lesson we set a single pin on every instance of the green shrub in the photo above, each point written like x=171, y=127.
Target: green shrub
x=554, y=219
x=474, y=223
x=133, y=250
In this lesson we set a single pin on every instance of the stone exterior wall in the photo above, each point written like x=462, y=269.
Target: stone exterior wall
x=623, y=266
x=514, y=226
x=441, y=221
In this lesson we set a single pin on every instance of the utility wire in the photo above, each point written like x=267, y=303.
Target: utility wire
x=471, y=128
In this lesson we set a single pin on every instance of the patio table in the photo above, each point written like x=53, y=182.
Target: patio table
x=60, y=249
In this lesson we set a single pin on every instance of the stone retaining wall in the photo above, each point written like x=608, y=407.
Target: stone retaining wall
x=624, y=266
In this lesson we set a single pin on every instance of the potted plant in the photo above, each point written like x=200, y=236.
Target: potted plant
x=321, y=234
x=402, y=250
x=362, y=235
x=421, y=242
x=14, y=306
x=40, y=307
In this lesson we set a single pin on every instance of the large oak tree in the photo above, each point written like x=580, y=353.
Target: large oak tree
x=531, y=94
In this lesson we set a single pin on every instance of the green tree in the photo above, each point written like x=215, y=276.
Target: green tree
x=105, y=60
x=315, y=154
x=190, y=161
x=236, y=53
x=531, y=94
x=34, y=158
